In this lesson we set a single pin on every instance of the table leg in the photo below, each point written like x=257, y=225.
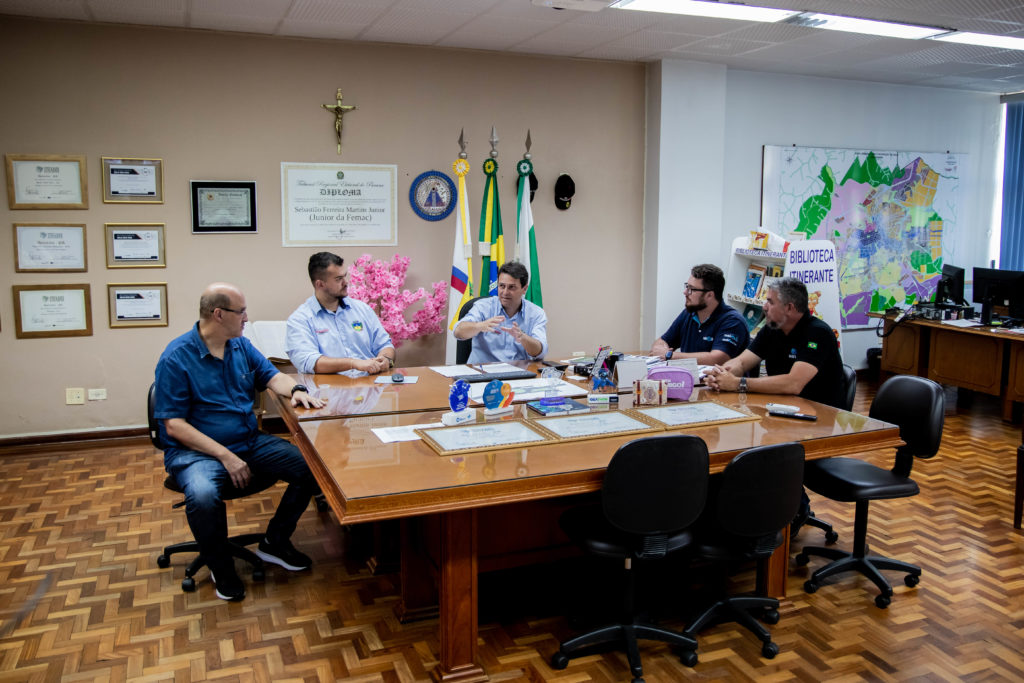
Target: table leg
x=773, y=571
x=418, y=575
x=1018, y=491
x=458, y=586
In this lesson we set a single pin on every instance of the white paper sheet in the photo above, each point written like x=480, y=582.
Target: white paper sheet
x=404, y=433
x=528, y=389
x=454, y=370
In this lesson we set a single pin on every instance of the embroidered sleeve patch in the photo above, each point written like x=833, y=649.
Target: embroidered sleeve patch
x=812, y=345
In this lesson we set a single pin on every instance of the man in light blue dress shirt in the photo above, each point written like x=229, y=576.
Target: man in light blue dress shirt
x=331, y=333
x=506, y=327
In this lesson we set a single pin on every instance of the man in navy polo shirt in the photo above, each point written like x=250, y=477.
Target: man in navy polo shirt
x=708, y=329
x=205, y=383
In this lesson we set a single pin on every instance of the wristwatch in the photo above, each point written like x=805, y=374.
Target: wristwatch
x=299, y=387
x=668, y=355
x=743, y=385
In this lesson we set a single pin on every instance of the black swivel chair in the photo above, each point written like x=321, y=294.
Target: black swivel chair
x=653, y=490
x=917, y=406
x=236, y=544
x=850, y=377
x=464, y=347
x=757, y=495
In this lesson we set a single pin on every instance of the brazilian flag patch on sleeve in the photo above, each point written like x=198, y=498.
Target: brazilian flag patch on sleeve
x=812, y=345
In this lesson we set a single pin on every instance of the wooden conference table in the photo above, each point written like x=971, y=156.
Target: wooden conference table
x=367, y=480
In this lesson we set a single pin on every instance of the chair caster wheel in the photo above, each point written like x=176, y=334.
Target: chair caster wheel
x=258, y=575
x=831, y=537
x=802, y=559
x=770, y=616
x=769, y=650
x=188, y=584
x=911, y=580
x=810, y=587
x=559, y=661
x=163, y=562
x=689, y=658
x=638, y=679
x=882, y=601
x=321, y=503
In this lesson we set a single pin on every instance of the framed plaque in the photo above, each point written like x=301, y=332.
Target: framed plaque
x=52, y=311
x=487, y=436
x=50, y=248
x=597, y=425
x=223, y=206
x=137, y=304
x=132, y=180
x=135, y=245
x=696, y=414
x=46, y=181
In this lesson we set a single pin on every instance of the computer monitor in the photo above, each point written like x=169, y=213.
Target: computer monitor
x=999, y=288
x=951, y=286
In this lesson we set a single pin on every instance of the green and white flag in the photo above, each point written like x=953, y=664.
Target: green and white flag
x=526, y=234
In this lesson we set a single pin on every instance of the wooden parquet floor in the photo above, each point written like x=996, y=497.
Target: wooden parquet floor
x=81, y=597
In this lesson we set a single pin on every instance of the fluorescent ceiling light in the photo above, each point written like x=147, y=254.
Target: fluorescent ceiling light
x=718, y=10
x=868, y=26
x=1005, y=42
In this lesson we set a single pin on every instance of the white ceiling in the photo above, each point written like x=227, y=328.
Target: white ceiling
x=520, y=27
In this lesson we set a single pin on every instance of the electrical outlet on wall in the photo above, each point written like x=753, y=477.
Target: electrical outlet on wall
x=74, y=396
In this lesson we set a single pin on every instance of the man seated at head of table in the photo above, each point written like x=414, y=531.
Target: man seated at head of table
x=203, y=400
x=506, y=327
x=800, y=352
x=331, y=332
x=708, y=329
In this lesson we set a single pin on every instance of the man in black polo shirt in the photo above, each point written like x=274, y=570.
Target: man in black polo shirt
x=707, y=329
x=800, y=352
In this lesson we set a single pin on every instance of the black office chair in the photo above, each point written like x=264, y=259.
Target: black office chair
x=917, y=406
x=850, y=377
x=756, y=497
x=236, y=544
x=464, y=347
x=653, y=490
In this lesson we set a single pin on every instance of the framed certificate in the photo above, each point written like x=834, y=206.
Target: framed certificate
x=52, y=311
x=132, y=180
x=223, y=206
x=46, y=181
x=50, y=248
x=488, y=436
x=696, y=414
x=137, y=304
x=135, y=245
x=596, y=425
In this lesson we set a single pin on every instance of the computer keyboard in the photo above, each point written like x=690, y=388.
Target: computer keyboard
x=503, y=376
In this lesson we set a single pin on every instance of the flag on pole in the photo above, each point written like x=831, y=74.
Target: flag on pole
x=526, y=238
x=492, y=242
x=462, y=258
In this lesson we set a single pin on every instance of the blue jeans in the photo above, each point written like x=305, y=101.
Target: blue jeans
x=207, y=485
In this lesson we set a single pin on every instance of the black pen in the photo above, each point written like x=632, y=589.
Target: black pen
x=798, y=416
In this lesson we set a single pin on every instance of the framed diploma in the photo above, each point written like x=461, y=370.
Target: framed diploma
x=50, y=248
x=132, y=180
x=223, y=206
x=46, y=181
x=52, y=311
x=489, y=436
x=596, y=425
x=135, y=245
x=137, y=304
x=335, y=205
x=696, y=414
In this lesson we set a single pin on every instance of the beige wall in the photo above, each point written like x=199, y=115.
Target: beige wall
x=232, y=107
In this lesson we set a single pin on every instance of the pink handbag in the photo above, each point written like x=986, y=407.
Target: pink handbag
x=680, y=381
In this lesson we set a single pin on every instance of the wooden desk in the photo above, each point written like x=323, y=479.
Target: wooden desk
x=366, y=480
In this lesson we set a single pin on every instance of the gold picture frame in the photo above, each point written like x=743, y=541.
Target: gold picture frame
x=489, y=436
x=50, y=248
x=43, y=311
x=584, y=426
x=46, y=181
x=135, y=245
x=705, y=414
x=132, y=180
x=137, y=304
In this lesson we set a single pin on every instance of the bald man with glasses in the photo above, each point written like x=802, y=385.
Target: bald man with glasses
x=708, y=330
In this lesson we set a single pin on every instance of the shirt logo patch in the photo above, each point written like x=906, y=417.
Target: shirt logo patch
x=730, y=338
x=323, y=331
x=707, y=339
x=792, y=353
x=357, y=326
x=812, y=345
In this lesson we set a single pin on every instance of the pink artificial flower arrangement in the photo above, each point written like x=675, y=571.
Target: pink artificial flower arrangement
x=378, y=284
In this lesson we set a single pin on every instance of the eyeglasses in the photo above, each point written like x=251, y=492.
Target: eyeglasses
x=240, y=311
x=689, y=289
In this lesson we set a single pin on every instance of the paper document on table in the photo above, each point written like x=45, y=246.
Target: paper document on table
x=454, y=370
x=529, y=389
x=961, y=323
x=492, y=368
x=404, y=433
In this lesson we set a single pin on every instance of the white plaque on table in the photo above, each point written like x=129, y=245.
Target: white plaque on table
x=324, y=205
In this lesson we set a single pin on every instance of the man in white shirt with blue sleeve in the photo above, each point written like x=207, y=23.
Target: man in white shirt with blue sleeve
x=506, y=327
x=332, y=333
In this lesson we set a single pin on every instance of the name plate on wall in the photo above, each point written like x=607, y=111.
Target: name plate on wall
x=324, y=205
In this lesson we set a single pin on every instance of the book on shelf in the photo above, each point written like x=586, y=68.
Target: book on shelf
x=772, y=273
x=753, y=314
x=752, y=282
x=566, y=407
